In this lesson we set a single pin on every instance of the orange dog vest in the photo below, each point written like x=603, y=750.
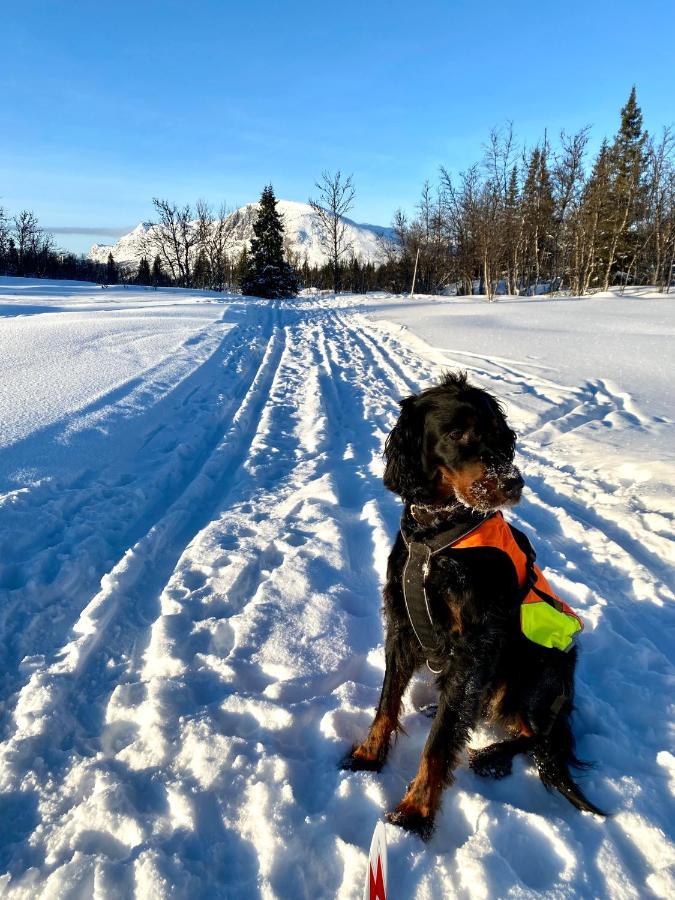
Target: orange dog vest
x=544, y=617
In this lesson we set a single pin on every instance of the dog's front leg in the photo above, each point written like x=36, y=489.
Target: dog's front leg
x=401, y=662
x=458, y=711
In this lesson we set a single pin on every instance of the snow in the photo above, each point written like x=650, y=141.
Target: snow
x=194, y=534
x=301, y=233
x=98, y=354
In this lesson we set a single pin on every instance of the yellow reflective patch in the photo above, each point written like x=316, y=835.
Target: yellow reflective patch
x=544, y=625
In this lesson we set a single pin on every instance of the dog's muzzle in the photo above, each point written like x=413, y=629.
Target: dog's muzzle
x=512, y=484
x=501, y=485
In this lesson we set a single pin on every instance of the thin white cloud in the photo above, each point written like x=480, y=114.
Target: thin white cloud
x=107, y=230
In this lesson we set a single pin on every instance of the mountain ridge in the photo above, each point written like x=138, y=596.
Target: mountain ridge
x=301, y=237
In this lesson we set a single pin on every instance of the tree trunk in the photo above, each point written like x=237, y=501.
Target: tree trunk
x=615, y=241
x=487, y=279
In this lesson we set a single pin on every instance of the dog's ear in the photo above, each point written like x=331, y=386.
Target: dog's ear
x=403, y=452
x=500, y=413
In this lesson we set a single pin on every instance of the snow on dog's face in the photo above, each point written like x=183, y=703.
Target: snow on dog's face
x=452, y=442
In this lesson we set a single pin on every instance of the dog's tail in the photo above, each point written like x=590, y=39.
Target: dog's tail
x=553, y=756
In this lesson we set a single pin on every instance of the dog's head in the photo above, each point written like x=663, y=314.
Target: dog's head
x=452, y=442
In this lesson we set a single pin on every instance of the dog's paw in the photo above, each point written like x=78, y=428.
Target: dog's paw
x=353, y=763
x=490, y=762
x=423, y=826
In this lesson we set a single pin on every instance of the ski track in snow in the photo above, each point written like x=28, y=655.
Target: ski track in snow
x=192, y=640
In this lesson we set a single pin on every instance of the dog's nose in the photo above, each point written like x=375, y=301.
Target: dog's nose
x=514, y=482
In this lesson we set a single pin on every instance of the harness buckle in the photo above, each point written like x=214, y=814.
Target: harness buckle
x=433, y=671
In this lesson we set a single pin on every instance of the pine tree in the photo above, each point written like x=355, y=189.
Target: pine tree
x=111, y=274
x=267, y=273
x=157, y=276
x=143, y=275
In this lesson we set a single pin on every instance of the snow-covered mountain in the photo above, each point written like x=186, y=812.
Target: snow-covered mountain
x=128, y=250
x=302, y=236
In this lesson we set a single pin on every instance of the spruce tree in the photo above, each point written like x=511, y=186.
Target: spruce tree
x=201, y=276
x=355, y=275
x=267, y=272
x=513, y=231
x=627, y=194
x=12, y=258
x=241, y=268
x=538, y=217
x=591, y=235
x=305, y=273
x=629, y=143
x=111, y=275
x=157, y=273
x=143, y=274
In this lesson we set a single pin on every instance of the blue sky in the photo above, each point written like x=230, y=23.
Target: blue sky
x=104, y=107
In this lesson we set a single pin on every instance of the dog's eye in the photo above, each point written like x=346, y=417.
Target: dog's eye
x=456, y=434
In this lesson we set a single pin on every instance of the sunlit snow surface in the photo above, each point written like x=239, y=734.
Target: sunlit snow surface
x=194, y=534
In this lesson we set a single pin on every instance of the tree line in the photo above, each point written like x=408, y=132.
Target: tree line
x=26, y=249
x=519, y=221
x=549, y=219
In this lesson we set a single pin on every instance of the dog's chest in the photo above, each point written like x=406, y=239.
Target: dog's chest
x=447, y=596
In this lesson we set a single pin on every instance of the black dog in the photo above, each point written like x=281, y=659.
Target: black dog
x=450, y=457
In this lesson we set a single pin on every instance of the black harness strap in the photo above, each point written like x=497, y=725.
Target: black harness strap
x=523, y=542
x=415, y=573
x=530, y=581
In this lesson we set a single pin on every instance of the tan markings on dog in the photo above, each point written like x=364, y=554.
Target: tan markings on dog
x=493, y=708
x=456, y=624
x=461, y=483
x=471, y=485
x=494, y=712
x=423, y=796
x=378, y=738
x=525, y=729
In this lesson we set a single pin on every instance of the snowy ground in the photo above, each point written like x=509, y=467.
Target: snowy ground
x=194, y=532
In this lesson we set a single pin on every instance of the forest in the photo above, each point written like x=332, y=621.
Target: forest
x=546, y=219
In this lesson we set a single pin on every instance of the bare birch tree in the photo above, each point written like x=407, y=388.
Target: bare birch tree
x=568, y=181
x=5, y=233
x=174, y=238
x=26, y=234
x=214, y=240
x=336, y=198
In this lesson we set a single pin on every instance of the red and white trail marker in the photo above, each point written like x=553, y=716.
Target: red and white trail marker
x=375, y=887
